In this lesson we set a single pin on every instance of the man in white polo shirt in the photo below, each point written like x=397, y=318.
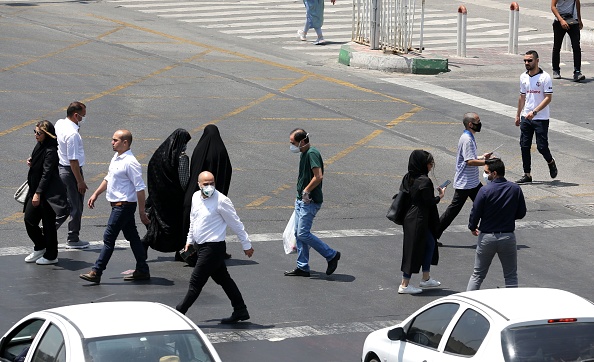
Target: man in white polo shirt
x=125, y=189
x=71, y=156
x=536, y=93
x=466, y=180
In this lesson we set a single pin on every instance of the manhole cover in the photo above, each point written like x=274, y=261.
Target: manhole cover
x=585, y=209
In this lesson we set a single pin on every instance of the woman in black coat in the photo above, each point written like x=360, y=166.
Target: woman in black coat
x=46, y=200
x=421, y=223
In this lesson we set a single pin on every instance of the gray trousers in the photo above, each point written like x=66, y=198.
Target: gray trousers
x=76, y=201
x=502, y=244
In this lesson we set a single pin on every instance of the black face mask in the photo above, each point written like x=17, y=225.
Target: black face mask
x=477, y=127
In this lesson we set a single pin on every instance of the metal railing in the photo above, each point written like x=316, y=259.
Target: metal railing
x=387, y=24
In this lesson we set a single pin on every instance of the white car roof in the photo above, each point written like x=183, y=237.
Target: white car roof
x=116, y=318
x=527, y=304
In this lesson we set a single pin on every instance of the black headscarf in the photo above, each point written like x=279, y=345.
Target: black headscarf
x=417, y=166
x=211, y=155
x=164, y=204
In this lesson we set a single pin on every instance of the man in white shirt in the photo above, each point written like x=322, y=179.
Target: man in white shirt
x=532, y=116
x=125, y=189
x=211, y=213
x=71, y=156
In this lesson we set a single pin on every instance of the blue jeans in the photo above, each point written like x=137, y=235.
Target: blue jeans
x=528, y=128
x=502, y=244
x=304, y=215
x=428, y=257
x=121, y=219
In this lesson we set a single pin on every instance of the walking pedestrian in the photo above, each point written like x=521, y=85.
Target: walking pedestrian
x=72, y=159
x=466, y=179
x=167, y=179
x=532, y=116
x=211, y=213
x=314, y=18
x=568, y=20
x=308, y=203
x=496, y=207
x=125, y=189
x=421, y=223
x=46, y=200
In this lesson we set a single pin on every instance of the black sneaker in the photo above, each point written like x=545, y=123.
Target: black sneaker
x=553, y=169
x=578, y=76
x=524, y=179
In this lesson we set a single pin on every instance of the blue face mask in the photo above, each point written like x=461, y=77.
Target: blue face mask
x=294, y=148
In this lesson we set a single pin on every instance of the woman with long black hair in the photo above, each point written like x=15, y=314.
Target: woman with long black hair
x=46, y=200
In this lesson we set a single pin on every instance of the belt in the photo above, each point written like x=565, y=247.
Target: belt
x=121, y=203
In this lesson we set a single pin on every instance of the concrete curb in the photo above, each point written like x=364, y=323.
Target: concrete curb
x=360, y=56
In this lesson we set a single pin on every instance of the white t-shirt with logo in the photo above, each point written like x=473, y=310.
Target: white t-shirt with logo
x=535, y=88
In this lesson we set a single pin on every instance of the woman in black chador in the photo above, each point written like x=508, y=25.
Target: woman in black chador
x=46, y=200
x=211, y=155
x=167, y=181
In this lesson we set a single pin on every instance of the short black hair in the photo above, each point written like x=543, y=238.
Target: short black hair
x=496, y=165
x=532, y=52
x=75, y=107
x=299, y=135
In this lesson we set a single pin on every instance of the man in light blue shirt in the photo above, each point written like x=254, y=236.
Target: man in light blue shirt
x=466, y=180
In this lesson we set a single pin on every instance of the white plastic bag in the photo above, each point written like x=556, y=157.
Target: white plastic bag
x=289, y=240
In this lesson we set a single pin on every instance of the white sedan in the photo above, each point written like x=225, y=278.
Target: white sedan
x=107, y=332
x=511, y=325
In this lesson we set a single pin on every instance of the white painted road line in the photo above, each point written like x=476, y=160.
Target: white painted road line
x=329, y=234
x=556, y=125
x=282, y=333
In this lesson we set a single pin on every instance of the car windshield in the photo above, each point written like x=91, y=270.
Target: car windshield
x=186, y=346
x=565, y=342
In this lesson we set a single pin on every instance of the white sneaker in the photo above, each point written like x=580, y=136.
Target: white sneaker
x=44, y=261
x=77, y=245
x=320, y=41
x=431, y=283
x=32, y=258
x=409, y=290
x=301, y=34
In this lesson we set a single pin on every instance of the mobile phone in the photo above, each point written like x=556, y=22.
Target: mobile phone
x=445, y=184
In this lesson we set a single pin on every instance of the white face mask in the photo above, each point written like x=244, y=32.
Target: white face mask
x=208, y=190
x=294, y=148
x=486, y=177
x=82, y=120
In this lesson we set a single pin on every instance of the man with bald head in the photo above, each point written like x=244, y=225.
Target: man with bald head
x=210, y=215
x=125, y=191
x=466, y=180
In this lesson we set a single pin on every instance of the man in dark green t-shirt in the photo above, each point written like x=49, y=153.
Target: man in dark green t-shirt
x=309, y=201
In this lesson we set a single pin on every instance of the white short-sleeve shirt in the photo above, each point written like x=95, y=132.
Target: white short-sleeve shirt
x=70, y=145
x=124, y=178
x=535, y=88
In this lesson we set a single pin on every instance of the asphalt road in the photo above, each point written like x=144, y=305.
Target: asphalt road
x=152, y=75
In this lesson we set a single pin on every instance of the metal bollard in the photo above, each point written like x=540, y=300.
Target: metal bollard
x=374, y=28
x=514, y=26
x=461, y=37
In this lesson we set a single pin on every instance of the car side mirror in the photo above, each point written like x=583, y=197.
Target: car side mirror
x=397, y=334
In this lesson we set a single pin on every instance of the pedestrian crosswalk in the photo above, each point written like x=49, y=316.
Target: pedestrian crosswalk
x=277, y=21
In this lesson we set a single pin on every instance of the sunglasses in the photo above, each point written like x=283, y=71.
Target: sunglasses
x=38, y=133
x=528, y=60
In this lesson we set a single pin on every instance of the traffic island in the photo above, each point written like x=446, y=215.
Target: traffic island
x=360, y=56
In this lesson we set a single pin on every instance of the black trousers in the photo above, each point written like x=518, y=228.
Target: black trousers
x=211, y=264
x=574, y=36
x=460, y=196
x=528, y=128
x=48, y=237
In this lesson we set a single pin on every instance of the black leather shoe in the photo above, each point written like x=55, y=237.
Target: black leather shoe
x=227, y=256
x=332, y=264
x=137, y=276
x=238, y=315
x=524, y=179
x=553, y=169
x=297, y=273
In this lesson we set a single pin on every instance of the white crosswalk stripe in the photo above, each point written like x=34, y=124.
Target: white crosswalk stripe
x=277, y=21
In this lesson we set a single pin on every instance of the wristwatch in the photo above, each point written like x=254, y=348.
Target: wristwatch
x=534, y=112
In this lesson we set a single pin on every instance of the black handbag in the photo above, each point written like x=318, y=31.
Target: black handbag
x=399, y=207
x=569, y=19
